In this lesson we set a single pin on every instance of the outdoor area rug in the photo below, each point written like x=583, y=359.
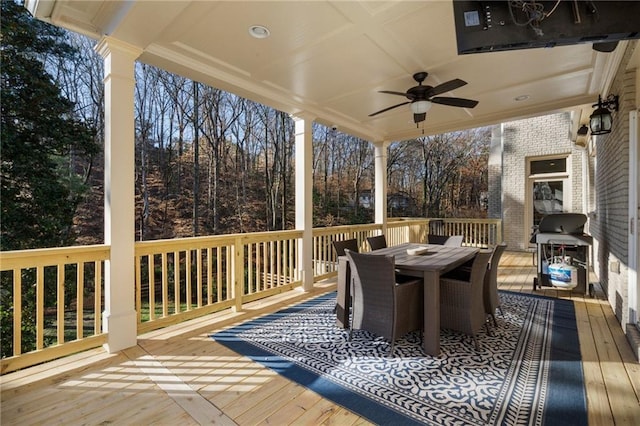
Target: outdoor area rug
x=528, y=373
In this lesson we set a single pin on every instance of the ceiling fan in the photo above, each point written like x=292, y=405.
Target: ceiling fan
x=421, y=97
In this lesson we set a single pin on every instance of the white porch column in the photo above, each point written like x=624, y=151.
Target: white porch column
x=119, y=316
x=380, y=153
x=304, y=197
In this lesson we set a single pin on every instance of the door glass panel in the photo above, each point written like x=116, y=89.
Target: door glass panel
x=547, y=199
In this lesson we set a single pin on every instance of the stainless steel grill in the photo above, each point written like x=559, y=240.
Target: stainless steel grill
x=561, y=237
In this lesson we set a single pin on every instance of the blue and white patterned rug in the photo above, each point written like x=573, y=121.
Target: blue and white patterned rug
x=528, y=373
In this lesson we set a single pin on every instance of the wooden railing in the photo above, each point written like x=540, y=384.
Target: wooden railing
x=188, y=277
x=53, y=298
x=476, y=232
x=55, y=301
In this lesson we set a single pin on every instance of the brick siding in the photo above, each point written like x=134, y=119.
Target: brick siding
x=521, y=141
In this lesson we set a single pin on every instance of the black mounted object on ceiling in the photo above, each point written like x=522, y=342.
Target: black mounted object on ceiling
x=600, y=121
x=489, y=26
x=421, y=97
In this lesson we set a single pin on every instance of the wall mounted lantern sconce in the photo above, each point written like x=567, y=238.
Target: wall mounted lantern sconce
x=600, y=121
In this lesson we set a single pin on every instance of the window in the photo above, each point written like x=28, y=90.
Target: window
x=548, y=189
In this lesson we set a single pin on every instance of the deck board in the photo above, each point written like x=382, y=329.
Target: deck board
x=179, y=375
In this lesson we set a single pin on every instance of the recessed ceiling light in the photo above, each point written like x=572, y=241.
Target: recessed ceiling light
x=521, y=98
x=259, y=31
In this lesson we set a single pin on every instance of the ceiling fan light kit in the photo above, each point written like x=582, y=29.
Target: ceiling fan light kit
x=420, y=107
x=422, y=97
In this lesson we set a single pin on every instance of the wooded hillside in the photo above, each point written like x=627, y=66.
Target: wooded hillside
x=239, y=176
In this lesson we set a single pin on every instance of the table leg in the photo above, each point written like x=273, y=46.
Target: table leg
x=431, y=337
x=343, y=303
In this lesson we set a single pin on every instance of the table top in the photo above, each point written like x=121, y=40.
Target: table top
x=438, y=258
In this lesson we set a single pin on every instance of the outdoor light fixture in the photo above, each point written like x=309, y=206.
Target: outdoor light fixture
x=583, y=130
x=600, y=121
x=259, y=31
x=420, y=107
x=581, y=136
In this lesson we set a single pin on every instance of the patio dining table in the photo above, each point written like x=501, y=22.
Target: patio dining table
x=430, y=266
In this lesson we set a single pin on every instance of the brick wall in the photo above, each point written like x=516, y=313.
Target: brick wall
x=494, y=210
x=610, y=223
x=608, y=182
x=520, y=141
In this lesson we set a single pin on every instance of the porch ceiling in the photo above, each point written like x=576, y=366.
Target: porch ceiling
x=329, y=59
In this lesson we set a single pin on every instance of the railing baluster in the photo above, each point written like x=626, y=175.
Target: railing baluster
x=138, y=285
x=199, y=277
x=228, y=271
x=17, y=311
x=97, y=303
x=60, y=303
x=152, y=287
x=39, y=307
x=80, y=300
x=238, y=273
x=176, y=282
x=209, y=276
x=187, y=280
x=219, y=277
x=165, y=285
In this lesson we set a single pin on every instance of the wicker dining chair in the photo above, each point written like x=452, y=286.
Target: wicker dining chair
x=339, y=246
x=377, y=242
x=454, y=241
x=343, y=299
x=461, y=302
x=491, y=296
x=383, y=303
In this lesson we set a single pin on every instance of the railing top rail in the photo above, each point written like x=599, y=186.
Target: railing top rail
x=345, y=228
x=405, y=222
x=190, y=243
x=463, y=220
x=52, y=256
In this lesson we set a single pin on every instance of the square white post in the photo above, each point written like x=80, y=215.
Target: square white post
x=119, y=316
x=380, y=154
x=304, y=197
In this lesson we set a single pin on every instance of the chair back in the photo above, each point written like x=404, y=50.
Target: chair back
x=437, y=239
x=491, y=297
x=454, y=241
x=373, y=278
x=377, y=242
x=479, y=269
x=340, y=246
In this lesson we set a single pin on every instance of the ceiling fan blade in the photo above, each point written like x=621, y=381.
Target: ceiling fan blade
x=447, y=86
x=387, y=109
x=391, y=92
x=456, y=102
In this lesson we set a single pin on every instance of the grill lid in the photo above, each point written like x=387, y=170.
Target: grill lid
x=563, y=223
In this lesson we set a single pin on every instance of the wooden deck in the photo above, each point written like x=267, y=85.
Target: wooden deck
x=180, y=376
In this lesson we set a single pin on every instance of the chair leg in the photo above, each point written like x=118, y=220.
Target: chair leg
x=351, y=311
x=476, y=343
x=501, y=312
x=489, y=331
x=495, y=323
